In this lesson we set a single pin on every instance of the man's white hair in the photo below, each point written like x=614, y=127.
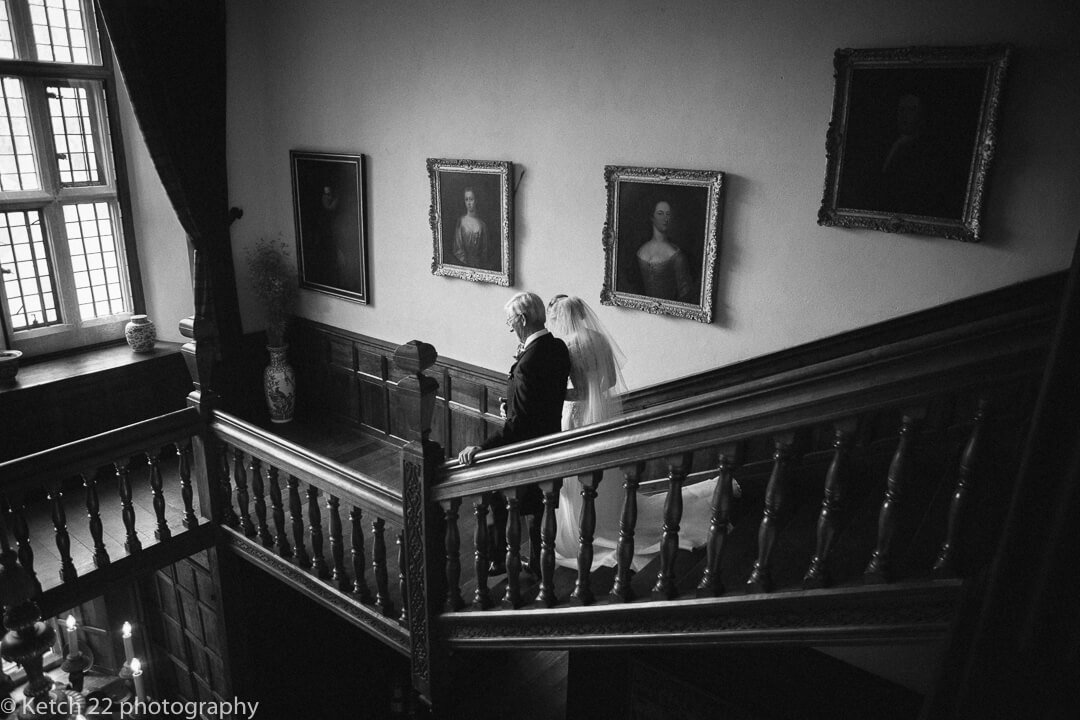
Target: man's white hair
x=530, y=305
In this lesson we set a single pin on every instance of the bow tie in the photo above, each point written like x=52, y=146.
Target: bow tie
x=520, y=349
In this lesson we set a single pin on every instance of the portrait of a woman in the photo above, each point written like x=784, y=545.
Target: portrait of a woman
x=660, y=240
x=471, y=240
x=663, y=266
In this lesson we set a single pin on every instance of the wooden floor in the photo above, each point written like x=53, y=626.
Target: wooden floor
x=43, y=534
x=374, y=455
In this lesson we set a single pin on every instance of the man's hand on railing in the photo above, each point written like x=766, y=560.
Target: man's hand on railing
x=465, y=457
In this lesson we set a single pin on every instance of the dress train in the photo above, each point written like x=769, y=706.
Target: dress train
x=649, y=530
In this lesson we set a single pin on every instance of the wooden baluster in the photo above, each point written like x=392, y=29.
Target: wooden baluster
x=678, y=469
x=318, y=562
x=20, y=530
x=258, y=492
x=710, y=584
x=512, y=598
x=880, y=567
x=228, y=514
x=454, y=601
x=621, y=590
x=123, y=484
x=378, y=564
x=93, y=514
x=482, y=596
x=402, y=588
x=296, y=517
x=242, y=498
x=63, y=540
x=582, y=593
x=337, y=545
x=817, y=575
x=546, y=595
x=187, y=492
x=775, y=495
x=359, y=561
x=162, y=531
x=281, y=538
x=945, y=565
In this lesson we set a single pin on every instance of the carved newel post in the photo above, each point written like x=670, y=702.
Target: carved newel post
x=27, y=640
x=425, y=551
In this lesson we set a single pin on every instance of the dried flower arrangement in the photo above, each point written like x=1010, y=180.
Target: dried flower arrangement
x=273, y=278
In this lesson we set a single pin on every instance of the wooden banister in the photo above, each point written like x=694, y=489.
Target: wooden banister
x=331, y=477
x=904, y=373
x=74, y=458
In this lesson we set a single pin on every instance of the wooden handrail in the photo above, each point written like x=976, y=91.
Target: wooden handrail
x=75, y=457
x=1038, y=298
x=332, y=477
x=1004, y=346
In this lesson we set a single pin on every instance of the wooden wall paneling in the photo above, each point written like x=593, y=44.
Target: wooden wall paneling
x=342, y=397
x=467, y=409
x=398, y=425
x=439, y=421
x=372, y=405
x=372, y=397
x=188, y=629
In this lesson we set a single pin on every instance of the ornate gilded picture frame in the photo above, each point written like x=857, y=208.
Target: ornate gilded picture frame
x=472, y=220
x=660, y=240
x=331, y=237
x=912, y=136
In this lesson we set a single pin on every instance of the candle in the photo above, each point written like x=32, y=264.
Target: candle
x=73, y=636
x=129, y=648
x=136, y=673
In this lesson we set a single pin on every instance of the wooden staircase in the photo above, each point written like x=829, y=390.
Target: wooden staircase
x=873, y=470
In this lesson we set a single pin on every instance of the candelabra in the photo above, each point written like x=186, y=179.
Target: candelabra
x=27, y=640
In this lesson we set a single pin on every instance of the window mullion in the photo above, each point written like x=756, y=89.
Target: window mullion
x=38, y=106
x=65, y=277
x=22, y=30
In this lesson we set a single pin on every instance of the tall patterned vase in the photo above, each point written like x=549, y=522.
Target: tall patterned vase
x=140, y=333
x=279, y=385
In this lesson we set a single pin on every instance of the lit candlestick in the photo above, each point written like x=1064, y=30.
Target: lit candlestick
x=129, y=648
x=136, y=674
x=73, y=636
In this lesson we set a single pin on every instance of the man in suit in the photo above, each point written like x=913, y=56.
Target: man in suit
x=535, y=392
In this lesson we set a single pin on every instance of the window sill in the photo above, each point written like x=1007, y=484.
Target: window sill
x=61, y=399
x=70, y=368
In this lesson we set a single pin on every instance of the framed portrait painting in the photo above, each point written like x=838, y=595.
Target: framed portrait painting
x=472, y=220
x=912, y=136
x=331, y=241
x=660, y=240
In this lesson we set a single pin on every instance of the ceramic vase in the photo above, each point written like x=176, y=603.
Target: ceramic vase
x=140, y=333
x=9, y=366
x=279, y=385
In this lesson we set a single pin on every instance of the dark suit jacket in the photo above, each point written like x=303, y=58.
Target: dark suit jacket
x=534, y=392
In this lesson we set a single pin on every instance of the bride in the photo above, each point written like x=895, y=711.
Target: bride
x=596, y=394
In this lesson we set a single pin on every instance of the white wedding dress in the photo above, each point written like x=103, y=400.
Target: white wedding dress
x=593, y=398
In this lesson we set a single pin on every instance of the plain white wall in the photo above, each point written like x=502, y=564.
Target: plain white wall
x=563, y=88
x=162, y=242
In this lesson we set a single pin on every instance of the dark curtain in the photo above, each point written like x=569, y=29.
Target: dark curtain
x=1015, y=652
x=172, y=57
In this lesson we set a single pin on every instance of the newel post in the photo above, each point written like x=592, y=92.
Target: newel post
x=200, y=353
x=425, y=555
